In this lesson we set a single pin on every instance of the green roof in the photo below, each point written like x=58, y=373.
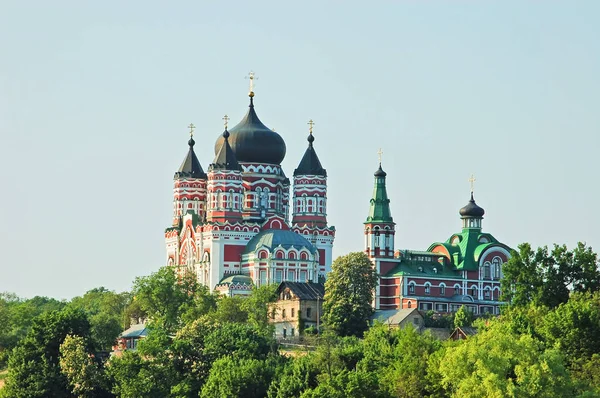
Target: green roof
x=272, y=238
x=236, y=280
x=380, y=204
x=466, y=247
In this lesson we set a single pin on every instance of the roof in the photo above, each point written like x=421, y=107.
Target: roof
x=380, y=204
x=310, y=163
x=254, y=142
x=471, y=210
x=438, y=333
x=304, y=290
x=236, y=280
x=272, y=238
x=394, y=317
x=225, y=158
x=466, y=247
x=467, y=331
x=190, y=167
x=138, y=330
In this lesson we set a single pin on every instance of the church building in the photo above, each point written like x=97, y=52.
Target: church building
x=231, y=223
x=464, y=270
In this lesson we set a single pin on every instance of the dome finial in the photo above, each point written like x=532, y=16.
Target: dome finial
x=226, y=133
x=251, y=76
x=226, y=120
x=310, y=132
x=191, y=142
x=379, y=153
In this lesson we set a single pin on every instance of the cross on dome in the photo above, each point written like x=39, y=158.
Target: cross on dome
x=310, y=124
x=251, y=76
x=379, y=153
x=226, y=119
x=191, y=127
x=472, y=181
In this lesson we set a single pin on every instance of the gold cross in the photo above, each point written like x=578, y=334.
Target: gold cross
x=191, y=127
x=226, y=119
x=379, y=153
x=311, y=124
x=252, y=77
x=472, y=181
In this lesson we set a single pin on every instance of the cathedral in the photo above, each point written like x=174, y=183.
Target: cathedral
x=231, y=223
x=464, y=270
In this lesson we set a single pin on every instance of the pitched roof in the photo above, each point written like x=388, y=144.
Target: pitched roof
x=394, y=317
x=310, y=163
x=225, y=159
x=190, y=167
x=380, y=204
x=304, y=290
x=138, y=330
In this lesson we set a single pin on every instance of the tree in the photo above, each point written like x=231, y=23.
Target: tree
x=83, y=374
x=133, y=376
x=34, y=365
x=548, y=278
x=243, y=378
x=463, y=317
x=497, y=363
x=170, y=299
x=349, y=291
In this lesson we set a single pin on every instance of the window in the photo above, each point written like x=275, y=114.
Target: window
x=425, y=306
x=292, y=332
x=456, y=289
x=283, y=313
x=411, y=288
x=284, y=333
x=486, y=293
x=278, y=275
x=292, y=312
x=486, y=270
x=427, y=288
x=474, y=292
x=497, y=262
x=441, y=307
x=416, y=321
x=442, y=290
x=308, y=311
x=409, y=304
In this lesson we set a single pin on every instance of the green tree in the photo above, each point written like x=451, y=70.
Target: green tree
x=133, y=376
x=548, y=278
x=463, y=317
x=497, y=363
x=349, y=291
x=85, y=378
x=299, y=375
x=33, y=367
x=170, y=300
x=244, y=378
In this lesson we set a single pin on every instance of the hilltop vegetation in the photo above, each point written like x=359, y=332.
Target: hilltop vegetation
x=203, y=345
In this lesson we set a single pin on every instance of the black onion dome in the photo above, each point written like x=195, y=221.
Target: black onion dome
x=310, y=163
x=380, y=172
x=253, y=142
x=190, y=167
x=471, y=210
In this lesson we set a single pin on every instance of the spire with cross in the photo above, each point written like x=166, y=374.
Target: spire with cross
x=251, y=76
x=310, y=126
x=191, y=127
x=226, y=120
x=379, y=153
x=472, y=182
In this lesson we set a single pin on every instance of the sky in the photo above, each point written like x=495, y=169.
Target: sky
x=95, y=98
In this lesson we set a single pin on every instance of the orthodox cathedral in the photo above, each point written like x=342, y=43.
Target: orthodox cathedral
x=231, y=227
x=464, y=270
x=231, y=222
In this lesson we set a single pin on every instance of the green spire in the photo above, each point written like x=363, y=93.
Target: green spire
x=380, y=204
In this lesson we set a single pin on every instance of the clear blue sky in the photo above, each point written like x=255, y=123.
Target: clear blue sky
x=95, y=98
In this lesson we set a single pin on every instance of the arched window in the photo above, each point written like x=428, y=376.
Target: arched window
x=283, y=313
x=487, y=293
x=486, y=270
x=474, y=292
x=411, y=288
x=497, y=262
x=427, y=288
x=303, y=256
x=279, y=254
x=292, y=314
x=409, y=304
x=457, y=289
x=442, y=289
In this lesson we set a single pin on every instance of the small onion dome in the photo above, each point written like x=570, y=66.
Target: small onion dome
x=253, y=142
x=380, y=172
x=471, y=210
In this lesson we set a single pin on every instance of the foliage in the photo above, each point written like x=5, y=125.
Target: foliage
x=349, y=292
x=83, y=374
x=463, y=317
x=33, y=367
x=234, y=377
x=494, y=363
x=432, y=319
x=547, y=278
x=134, y=376
x=171, y=299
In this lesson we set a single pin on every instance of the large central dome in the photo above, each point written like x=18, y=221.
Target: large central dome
x=253, y=142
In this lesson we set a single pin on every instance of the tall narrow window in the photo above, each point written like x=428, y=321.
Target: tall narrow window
x=308, y=312
x=442, y=290
x=427, y=288
x=411, y=288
